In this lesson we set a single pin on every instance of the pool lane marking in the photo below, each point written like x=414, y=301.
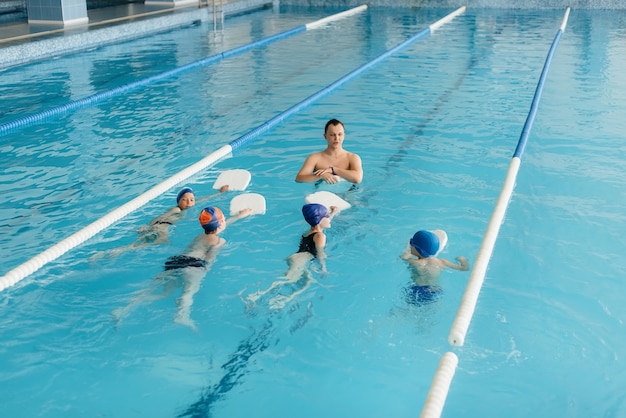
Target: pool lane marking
x=96, y=98
x=464, y=315
x=54, y=252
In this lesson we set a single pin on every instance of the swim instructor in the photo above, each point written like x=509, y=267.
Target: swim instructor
x=334, y=163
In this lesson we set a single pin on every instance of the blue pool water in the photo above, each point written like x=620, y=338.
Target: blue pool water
x=435, y=124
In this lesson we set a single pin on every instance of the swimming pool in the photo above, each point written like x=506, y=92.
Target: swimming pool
x=435, y=124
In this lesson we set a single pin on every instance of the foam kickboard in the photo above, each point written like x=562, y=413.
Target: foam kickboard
x=254, y=201
x=327, y=199
x=443, y=239
x=236, y=179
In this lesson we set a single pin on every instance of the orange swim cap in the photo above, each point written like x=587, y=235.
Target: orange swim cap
x=210, y=218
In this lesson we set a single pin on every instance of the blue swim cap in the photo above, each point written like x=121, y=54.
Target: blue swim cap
x=314, y=213
x=426, y=243
x=182, y=192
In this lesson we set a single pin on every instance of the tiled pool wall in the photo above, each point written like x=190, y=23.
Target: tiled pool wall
x=82, y=38
x=520, y=4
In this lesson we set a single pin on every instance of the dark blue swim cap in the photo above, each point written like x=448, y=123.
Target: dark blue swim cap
x=182, y=192
x=314, y=213
x=426, y=243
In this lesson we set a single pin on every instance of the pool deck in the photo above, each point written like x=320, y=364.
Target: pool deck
x=21, y=42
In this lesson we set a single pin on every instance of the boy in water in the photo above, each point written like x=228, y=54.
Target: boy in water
x=188, y=269
x=311, y=246
x=421, y=254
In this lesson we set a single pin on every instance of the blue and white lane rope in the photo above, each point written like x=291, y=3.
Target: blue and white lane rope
x=464, y=315
x=27, y=268
x=94, y=99
x=436, y=397
x=321, y=93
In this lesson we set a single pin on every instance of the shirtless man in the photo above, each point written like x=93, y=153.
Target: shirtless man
x=334, y=162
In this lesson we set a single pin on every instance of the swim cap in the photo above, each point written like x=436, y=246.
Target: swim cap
x=426, y=243
x=314, y=213
x=182, y=192
x=210, y=218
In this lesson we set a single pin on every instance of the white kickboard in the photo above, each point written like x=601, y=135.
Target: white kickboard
x=327, y=199
x=254, y=201
x=341, y=186
x=443, y=238
x=236, y=179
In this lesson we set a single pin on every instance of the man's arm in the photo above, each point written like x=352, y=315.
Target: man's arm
x=354, y=172
x=305, y=175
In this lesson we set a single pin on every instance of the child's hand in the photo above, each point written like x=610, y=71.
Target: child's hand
x=244, y=212
x=224, y=188
x=463, y=261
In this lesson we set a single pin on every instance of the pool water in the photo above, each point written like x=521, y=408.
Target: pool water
x=435, y=124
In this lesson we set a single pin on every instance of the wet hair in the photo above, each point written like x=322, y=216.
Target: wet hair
x=333, y=122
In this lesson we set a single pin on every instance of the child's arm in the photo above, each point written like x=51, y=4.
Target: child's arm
x=463, y=264
x=242, y=214
x=171, y=216
x=320, y=243
x=407, y=253
x=223, y=189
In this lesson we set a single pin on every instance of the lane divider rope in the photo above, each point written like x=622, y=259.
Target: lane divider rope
x=15, y=125
x=464, y=315
x=436, y=397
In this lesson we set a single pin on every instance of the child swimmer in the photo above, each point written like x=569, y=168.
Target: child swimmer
x=421, y=254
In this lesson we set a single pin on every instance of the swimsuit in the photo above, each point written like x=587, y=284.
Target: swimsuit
x=162, y=223
x=420, y=295
x=183, y=261
x=307, y=245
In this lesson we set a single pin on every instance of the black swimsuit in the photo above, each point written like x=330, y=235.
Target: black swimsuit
x=307, y=245
x=183, y=261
